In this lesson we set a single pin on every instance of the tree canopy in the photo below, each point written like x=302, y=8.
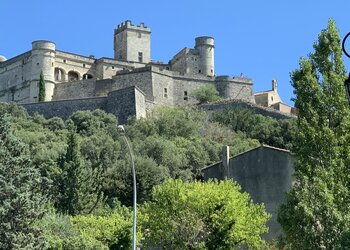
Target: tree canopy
x=196, y=215
x=315, y=214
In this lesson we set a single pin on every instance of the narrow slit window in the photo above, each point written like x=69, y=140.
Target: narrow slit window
x=165, y=93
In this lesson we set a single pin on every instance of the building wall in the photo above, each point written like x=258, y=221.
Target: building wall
x=82, y=89
x=130, y=40
x=15, y=79
x=141, y=77
x=186, y=61
x=265, y=173
x=122, y=103
x=239, y=88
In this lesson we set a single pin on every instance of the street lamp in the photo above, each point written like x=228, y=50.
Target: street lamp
x=347, y=81
x=121, y=131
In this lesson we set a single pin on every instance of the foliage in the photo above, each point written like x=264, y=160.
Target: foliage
x=270, y=131
x=41, y=96
x=62, y=235
x=207, y=93
x=75, y=182
x=196, y=215
x=315, y=214
x=113, y=231
x=21, y=200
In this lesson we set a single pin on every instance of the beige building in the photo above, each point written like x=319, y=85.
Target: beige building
x=271, y=98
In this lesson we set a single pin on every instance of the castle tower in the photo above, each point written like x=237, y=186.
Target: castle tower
x=42, y=60
x=132, y=43
x=205, y=46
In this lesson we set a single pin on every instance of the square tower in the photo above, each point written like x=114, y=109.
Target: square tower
x=132, y=43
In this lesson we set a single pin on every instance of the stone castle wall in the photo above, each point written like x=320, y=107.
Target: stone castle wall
x=121, y=103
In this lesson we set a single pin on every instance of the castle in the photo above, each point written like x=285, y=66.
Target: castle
x=128, y=84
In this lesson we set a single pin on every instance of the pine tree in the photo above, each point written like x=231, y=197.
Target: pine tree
x=21, y=200
x=41, y=88
x=315, y=214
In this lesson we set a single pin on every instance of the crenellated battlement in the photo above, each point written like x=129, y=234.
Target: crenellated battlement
x=128, y=25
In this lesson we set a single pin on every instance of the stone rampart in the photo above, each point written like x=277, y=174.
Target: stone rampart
x=121, y=103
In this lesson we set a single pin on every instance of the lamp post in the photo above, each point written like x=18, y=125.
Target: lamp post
x=347, y=81
x=123, y=134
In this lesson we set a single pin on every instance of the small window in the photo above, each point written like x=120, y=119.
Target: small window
x=167, y=68
x=112, y=67
x=37, y=64
x=211, y=70
x=165, y=93
x=139, y=35
x=199, y=71
x=84, y=65
x=185, y=96
x=140, y=56
x=271, y=98
x=51, y=64
x=64, y=60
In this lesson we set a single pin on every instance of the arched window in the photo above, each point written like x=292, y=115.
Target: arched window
x=73, y=76
x=87, y=76
x=59, y=75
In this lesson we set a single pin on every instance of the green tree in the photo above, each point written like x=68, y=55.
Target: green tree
x=196, y=215
x=42, y=90
x=76, y=185
x=315, y=214
x=207, y=93
x=21, y=200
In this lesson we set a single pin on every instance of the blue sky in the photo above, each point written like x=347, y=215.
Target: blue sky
x=261, y=39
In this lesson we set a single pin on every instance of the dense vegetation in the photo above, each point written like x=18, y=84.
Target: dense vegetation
x=84, y=175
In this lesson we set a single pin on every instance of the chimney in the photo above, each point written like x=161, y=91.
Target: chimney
x=225, y=162
x=274, y=85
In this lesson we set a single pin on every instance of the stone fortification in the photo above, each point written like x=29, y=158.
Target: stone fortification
x=122, y=103
x=69, y=76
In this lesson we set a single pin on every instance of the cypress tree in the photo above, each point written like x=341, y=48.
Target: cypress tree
x=76, y=185
x=41, y=88
x=21, y=200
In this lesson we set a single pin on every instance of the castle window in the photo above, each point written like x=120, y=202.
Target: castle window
x=185, y=96
x=165, y=93
x=84, y=65
x=211, y=70
x=51, y=64
x=271, y=98
x=140, y=56
x=139, y=35
x=112, y=67
x=64, y=60
x=37, y=64
x=167, y=68
x=199, y=71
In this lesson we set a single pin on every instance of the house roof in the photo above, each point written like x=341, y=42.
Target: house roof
x=248, y=151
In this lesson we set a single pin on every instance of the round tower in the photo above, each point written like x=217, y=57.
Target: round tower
x=43, y=61
x=205, y=46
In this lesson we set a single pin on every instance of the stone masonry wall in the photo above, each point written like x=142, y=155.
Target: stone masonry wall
x=82, y=89
x=122, y=103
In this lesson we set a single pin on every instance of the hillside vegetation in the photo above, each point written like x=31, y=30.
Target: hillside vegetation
x=85, y=173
